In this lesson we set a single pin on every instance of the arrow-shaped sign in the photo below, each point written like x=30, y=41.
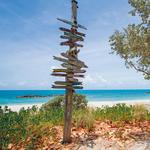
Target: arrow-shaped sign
x=69, y=43
x=67, y=71
x=73, y=36
x=72, y=31
x=72, y=24
x=74, y=39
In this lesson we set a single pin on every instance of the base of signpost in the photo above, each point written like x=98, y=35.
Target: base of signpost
x=68, y=116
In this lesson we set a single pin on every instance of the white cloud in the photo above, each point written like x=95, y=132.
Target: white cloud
x=94, y=78
x=22, y=83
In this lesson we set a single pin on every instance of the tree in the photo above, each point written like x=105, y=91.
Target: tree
x=133, y=43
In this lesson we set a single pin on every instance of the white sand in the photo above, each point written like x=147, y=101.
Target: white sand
x=111, y=103
x=26, y=106
x=91, y=104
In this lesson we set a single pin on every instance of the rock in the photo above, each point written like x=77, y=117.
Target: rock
x=35, y=96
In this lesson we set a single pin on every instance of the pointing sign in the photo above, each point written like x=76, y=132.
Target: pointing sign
x=69, y=43
x=72, y=31
x=59, y=74
x=72, y=24
x=73, y=36
x=67, y=70
x=74, y=39
x=63, y=83
x=60, y=59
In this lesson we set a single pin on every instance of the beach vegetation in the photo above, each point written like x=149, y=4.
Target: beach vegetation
x=33, y=126
x=84, y=118
x=79, y=102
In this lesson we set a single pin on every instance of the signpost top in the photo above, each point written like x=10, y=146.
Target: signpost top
x=74, y=11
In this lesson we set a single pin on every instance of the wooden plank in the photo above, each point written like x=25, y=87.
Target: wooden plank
x=65, y=37
x=72, y=80
x=77, y=83
x=60, y=70
x=79, y=71
x=72, y=31
x=67, y=56
x=60, y=87
x=79, y=76
x=72, y=24
x=82, y=27
x=68, y=70
x=70, y=75
x=59, y=74
x=63, y=83
x=74, y=59
x=69, y=43
x=74, y=39
x=67, y=83
x=77, y=64
x=60, y=59
x=78, y=87
x=73, y=36
x=70, y=66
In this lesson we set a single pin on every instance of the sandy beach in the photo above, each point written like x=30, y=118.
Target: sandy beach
x=26, y=106
x=111, y=103
x=90, y=104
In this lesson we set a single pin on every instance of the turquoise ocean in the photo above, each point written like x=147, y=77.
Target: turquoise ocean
x=9, y=97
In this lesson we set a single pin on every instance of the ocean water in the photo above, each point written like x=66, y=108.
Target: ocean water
x=9, y=97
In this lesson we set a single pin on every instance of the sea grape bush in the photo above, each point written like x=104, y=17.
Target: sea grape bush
x=79, y=102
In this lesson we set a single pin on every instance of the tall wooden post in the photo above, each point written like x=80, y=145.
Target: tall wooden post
x=72, y=66
x=68, y=116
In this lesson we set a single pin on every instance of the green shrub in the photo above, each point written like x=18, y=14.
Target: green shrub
x=118, y=112
x=79, y=102
x=12, y=127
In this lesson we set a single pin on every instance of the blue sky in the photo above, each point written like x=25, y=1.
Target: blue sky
x=29, y=37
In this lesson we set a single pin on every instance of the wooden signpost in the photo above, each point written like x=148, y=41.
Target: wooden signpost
x=72, y=67
x=72, y=31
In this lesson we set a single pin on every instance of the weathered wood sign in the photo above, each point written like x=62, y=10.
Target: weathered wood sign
x=60, y=59
x=59, y=74
x=72, y=80
x=72, y=31
x=63, y=83
x=74, y=39
x=68, y=56
x=72, y=24
x=68, y=83
x=68, y=66
x=73, y=36
x=72, y=67
x=78, y=87
x=70, y=43
x=68, y=71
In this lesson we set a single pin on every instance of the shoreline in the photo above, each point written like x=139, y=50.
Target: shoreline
x=17, y=107
x=111, y=103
